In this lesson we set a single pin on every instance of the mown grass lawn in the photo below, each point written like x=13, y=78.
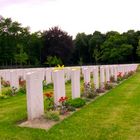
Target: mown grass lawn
x=114, y=116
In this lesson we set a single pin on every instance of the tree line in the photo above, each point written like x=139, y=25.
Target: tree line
x=20, y=47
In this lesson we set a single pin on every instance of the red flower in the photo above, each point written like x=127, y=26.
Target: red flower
x=62, y=99
x=119, y=74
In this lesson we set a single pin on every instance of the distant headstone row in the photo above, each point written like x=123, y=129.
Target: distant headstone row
x=35, y=76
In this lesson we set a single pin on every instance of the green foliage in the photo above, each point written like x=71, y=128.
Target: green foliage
x=49, y=101
x=138, y=49
x=48, y=86
x=63, y=108
x=18, y=46
x=81, y=50
x=95, y=45
x=115, y=49
x=119, y=78
x=21, y=57
x=2, y=96
x=80, y=61
x=57, y=42
x=22, y=84
x=52, y=116
x=7, y=91
x=53, y=61
x=77, y=102
x=88, y=90
x=22, y=90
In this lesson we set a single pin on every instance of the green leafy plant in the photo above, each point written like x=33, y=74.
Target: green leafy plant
x=88, y=90
x=2, y=96
x=22, y=84
x=63, y=108
x=9, y=91
x=77, y=102
x=48, y=86
x=52, y=116
x=53, y=61
x=49, y=100
x=22, y=89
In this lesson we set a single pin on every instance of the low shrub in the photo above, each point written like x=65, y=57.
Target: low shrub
x=88, y=90
x=68, y=82
x=49, y=101
x=3, y=96
x=7, y=92
x=77, y=102
x=22, y=90
x=63, y=108
x=47, y=86
x=52, y=116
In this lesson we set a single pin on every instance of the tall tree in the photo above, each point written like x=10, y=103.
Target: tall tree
x=82, y=48
x=57, y=43
x=95, y=43
x=115, y=49
x=132, y=39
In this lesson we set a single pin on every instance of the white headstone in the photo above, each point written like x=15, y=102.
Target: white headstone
x=35, y=104
x=115, y=73
x=96, y=77
x=7, y=76
x=86, y=73
x=107, y=73
x=111, y=71
x=48, y=75
x=67, y=74
x=102, y=77
x=14, y=79
x=59, y=85
x=75, y=83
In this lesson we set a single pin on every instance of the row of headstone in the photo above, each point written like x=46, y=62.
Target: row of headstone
x=35, y=76
x=34, y=79
x=35, y=105
x=111, y=70
x=102, y=74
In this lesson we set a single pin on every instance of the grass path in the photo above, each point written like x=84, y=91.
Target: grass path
x=114, y=116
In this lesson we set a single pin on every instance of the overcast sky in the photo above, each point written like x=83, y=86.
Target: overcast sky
x=74, y=16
